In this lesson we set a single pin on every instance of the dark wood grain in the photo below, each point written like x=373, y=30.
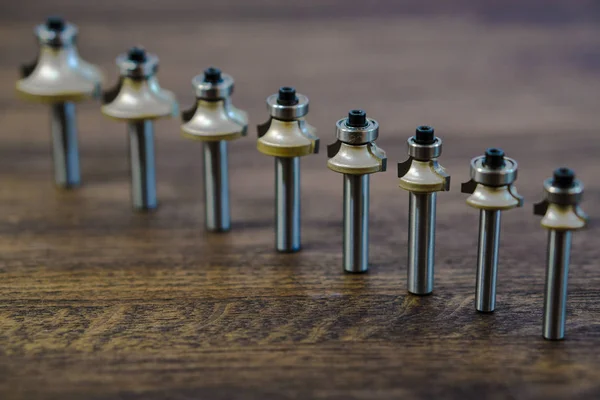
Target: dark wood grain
x=97, y=302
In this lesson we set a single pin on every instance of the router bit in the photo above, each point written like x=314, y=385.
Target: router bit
x=423, y=177
x=139, y=100
x=60, y=78
x=214, y=121
x=287, y=136
x=561, y=215
x=492, y=191
x=356, y=155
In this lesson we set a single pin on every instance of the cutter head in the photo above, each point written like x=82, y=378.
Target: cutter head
x=58, y=74
x=286, y=133
x=355, y=151
x=560, y=208
x=138, y=95
x=422, y=173
x=213, y=117
x=491, y=185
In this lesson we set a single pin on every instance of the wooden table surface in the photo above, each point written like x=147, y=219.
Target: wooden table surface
x=98, y=302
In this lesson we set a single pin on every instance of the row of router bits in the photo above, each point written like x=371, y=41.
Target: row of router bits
x=60, y=77
x=491, y=190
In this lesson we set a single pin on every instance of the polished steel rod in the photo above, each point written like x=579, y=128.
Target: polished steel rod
x=216, y=186
x=487, y=260
x=557, y=274
x=64, y=145
x=287, y=201
x=421, y=242
x=141, y=155
x=356, y=223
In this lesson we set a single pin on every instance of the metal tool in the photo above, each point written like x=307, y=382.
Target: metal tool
x=214, y=121
x=423, y=177
x=561, y=215
x=60, y=78
x=492, y=191
x=287, y=136
x=138, y=100
x=356, y=155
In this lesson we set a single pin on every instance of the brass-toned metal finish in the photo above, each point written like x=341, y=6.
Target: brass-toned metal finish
x=491, y=191
x=357, y=160
x=138, y=100
x=214, y=121
x=423, y=177
x=356, y=155
x=561, y=215
x=287, y=136
x=494, y=197
x=58, y=74
x=288, y=139
x=59, y=77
